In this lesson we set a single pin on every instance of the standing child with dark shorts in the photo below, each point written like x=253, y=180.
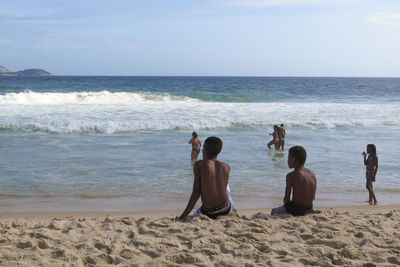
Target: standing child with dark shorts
x=371, y=164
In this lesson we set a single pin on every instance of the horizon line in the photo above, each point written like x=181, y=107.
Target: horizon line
x=215, y=76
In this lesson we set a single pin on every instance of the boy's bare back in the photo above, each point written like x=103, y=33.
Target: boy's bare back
x=304, y=184
x=210, y=182
x=213, y=176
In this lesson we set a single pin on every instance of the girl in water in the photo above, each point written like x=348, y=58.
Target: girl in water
x=196, y=144
x=275, y=138
x=371, y=163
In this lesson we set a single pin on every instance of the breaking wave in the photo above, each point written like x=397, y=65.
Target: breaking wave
x=106, y=112
x=85, y=98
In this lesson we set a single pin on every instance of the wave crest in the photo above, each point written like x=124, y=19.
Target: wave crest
x=85, y=98
x=106, y=112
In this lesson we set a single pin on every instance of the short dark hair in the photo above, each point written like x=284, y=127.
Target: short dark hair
x=213, y=145
x=282, y=125
x=299, y=153
x=194, y=134
x=372, y=147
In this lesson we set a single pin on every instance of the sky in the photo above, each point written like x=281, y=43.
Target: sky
x=339, y=38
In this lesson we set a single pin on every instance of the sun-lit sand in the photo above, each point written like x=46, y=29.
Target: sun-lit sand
x=346, y=236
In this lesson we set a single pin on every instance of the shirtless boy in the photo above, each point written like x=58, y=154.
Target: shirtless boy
x=210, y=182
x=196, y=144
x=302, y=182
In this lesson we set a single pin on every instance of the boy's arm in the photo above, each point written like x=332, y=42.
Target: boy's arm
x=288, y=189
x=195, y=193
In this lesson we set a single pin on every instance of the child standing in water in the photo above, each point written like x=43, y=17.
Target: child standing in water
x=371, y=163
x=196, y=144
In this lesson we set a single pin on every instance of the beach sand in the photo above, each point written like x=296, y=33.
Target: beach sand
x=346, y=236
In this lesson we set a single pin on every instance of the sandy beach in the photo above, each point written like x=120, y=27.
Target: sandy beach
x=343, y=236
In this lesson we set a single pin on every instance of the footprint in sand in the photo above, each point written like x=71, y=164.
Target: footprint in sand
x=100, y=246
x=306, y=237
x=42, y=244
x=26, y=244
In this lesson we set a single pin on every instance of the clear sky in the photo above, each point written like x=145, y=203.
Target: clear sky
x=204, y=37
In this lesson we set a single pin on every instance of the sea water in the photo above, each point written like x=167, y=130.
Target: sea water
x=121, y=143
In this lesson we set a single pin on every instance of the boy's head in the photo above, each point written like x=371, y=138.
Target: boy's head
x=212, y=147
x=194, y=134
x=299, y=154
x=282, y=125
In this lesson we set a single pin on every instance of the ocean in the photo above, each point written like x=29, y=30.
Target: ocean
x=121, y=143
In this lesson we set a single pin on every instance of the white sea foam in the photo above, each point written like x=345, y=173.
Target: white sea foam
x=106, y=112
x=84, y=98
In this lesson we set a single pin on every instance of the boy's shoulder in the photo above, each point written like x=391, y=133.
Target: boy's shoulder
x=307, y=171
x=223, y=165
x=302, y=171
x=206, y=161
x=199, y=164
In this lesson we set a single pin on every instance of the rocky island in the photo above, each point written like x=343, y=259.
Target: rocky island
x=28, y=72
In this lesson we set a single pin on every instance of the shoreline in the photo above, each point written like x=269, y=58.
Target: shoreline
x=161, y=203
x=154, y=214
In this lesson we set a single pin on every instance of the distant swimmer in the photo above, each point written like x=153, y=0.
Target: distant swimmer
x=371, y=163
x=275, y=138
x=300, y=183
x=196, y=145
x=282, y=134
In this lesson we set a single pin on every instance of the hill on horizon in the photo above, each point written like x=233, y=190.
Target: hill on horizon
x=27, y=72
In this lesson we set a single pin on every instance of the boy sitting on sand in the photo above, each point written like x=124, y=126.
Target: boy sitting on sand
x=210, y=182
x=302, y=181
